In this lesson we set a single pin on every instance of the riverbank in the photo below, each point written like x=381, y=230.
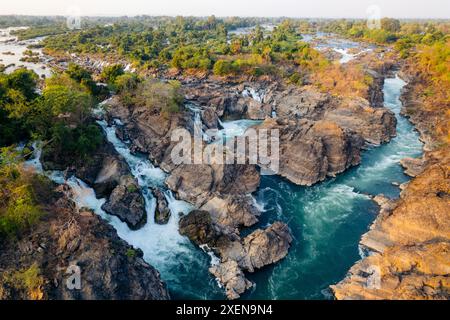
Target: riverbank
x=409, y=241
x=337, y=151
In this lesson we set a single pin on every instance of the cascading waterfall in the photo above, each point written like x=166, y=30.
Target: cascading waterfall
x=174, y=256
x=198, y=124
x=255, y=95
x=235, y=128
x=327, y=220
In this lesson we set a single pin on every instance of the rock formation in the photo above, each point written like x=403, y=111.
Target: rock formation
x=127, y=203
x=110, y=176
x=162, y=212
x=258, y=249
x=410, y=239
x=68, y=236
x=310, y=151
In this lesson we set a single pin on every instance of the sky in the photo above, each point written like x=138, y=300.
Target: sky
x=260, y=8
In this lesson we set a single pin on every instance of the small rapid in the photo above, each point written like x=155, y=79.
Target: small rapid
x=328, y=219
x=11, y=53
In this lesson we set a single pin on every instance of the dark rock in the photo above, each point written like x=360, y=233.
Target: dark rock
x=162, y=212
x=127, y=203
x=110, y=269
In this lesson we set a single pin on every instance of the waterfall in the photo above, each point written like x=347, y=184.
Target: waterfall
x=198, y=124
x=162, y=245
x=255, y=95
x=236, y=128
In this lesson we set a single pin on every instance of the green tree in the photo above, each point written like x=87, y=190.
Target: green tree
x=110, y=73
x=223, y=67
x=390, y=25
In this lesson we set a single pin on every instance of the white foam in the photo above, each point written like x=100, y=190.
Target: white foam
x=236, y=128
x=255, y=95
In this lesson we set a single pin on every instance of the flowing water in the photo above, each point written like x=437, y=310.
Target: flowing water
x=323, y=41
x=11, y=51
x=327, y=220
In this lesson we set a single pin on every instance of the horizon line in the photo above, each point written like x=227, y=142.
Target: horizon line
x=220, y=17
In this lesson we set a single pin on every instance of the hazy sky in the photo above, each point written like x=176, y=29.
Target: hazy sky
x=272, y=8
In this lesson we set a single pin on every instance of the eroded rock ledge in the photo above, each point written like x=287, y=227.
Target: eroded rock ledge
x=110, y=268
x=409, y=241
x=258, y=249
x=320, y=136
x=110, y=176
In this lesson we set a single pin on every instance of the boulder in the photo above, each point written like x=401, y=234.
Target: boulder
x=232, y=211
x=162, y=212
x=310, y=151
x=127, y=203
x=232, y=278
x=260, y=248
x=413, y=167
x=198, y=183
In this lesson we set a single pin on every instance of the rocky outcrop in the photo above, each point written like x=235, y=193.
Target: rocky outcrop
x=232, y=211
x=311, y=151
x=246, y=100
x=127, y=203
x=112, y=169
x=103, y=170
x=295, y=103
x=69, y=238
x=413, y=167
x=375, y=94
x=409, y=241
x=375, y=125
x=148, y=130
x=400, y=273
x=162, y=212
x=232, y=277
x=199, y=183
x=260, y=248
x=110, y=176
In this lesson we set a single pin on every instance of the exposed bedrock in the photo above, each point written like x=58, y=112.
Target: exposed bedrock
x=110, y=176
x=162, y=212
x=375, y=125
x=148, y=130
x=127, y=203
x=310, y=151
x=258, y=249
x=70, y=236
x=199, y=183
x=409, y=242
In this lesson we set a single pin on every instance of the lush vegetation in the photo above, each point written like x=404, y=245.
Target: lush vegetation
x=21, y=193
x=432, y=63
x=28, y=280
x=194, y=45
x=59, y=116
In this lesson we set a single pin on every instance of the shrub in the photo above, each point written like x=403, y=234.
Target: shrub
x=223, y=67
x=165, y=97
x=110, y=73
x=29, y=279
x=19, y=207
